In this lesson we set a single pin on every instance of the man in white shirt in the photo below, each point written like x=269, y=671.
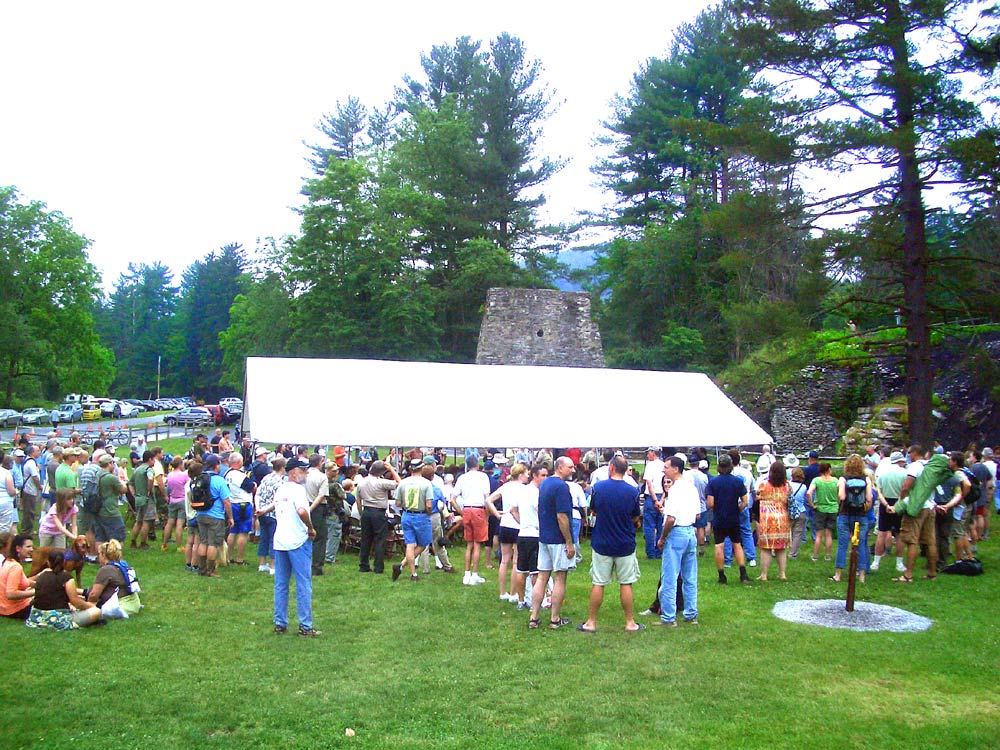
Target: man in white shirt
x=293, y=537
x=241, y=489
x=652, y=506
x=680, y=545
x=470, y=492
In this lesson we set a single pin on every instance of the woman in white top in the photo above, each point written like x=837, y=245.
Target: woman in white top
x=511, y=492
x=524, y=509
x=8, y=515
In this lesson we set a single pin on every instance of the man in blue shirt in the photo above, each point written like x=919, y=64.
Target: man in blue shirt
x=556, y=553
x=214, y=523
x=615, y=503
x=727, y=499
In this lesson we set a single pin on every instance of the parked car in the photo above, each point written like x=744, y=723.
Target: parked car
x=191, y=415
x=35, y=415
x=68, y=412
x=148, y=405
x=91, y=410
x=117, y=409
x=9, y=417
x=135, y=402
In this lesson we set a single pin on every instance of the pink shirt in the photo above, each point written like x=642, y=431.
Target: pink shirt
x=47, y=525
x=176, y=483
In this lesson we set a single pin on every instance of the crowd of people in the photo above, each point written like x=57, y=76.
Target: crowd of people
x=523, y=510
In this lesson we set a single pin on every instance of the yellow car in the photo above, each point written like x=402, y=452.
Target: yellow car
x=91, y=411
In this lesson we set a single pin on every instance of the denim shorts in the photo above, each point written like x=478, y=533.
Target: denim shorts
x=417, y=529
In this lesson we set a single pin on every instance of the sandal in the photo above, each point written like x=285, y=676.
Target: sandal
x=902, y=579
x=583, y=629
x=556, y=624
x=638, y=627
x=533, y=623
x=928, y=578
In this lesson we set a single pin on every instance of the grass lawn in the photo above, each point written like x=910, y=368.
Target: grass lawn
x=435, y=664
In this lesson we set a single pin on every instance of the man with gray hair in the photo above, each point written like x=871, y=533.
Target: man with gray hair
x=680, y=545
x=241, y=489
x=373, y=495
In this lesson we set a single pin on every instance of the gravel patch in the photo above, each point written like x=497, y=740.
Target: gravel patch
x=830, y=613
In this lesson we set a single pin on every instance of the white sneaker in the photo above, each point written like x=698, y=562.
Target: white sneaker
x=900, y=566
x=467, y=579
x=478, y=578
x=752, y=563
x=875, y=565
x=262, y=568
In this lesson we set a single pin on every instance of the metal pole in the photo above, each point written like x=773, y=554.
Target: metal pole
x=852, y=568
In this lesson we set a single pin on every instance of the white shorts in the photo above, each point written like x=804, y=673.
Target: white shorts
x=552, y=557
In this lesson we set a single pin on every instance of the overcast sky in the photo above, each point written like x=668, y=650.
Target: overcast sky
x=165, y=130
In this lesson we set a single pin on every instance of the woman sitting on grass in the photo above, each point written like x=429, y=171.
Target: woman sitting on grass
x=853, y=508
x=16, y=589
x=111, y=578
x=57, y=604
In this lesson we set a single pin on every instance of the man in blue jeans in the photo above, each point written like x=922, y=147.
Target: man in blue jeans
x=652, y=516
x=293, y=537
x=680, y=545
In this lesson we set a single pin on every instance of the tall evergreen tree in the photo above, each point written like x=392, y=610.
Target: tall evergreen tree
x=880, y=84
x=136, y=325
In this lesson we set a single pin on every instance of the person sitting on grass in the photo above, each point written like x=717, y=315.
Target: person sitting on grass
x=57, y=604
x=16, y=589
x=113, y=577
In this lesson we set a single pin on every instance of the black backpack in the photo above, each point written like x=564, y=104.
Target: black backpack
x=201, y=493
x=976, y=491
x=857, y=495
x=90, y=489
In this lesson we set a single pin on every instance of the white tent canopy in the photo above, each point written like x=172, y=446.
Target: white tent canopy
x=377, y=402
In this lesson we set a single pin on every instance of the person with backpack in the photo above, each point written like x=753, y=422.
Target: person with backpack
x=106, y=518
x=210, y=499
x=854, y=491
x=953, y=513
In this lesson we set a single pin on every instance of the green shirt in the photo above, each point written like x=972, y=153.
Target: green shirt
x=415, y=493
x=66, y=479
x=140, y=484
x=825, y=496
x=110, y=488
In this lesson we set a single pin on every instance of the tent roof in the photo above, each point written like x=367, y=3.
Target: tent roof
x=378, y=402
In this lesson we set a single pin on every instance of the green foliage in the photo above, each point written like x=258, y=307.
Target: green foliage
x=136, y=323
x=47, y=292
x=680, y=349
x=404, y=230
x=208, y=288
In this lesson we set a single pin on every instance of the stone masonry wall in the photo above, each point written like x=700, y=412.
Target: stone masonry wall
x=539, y=327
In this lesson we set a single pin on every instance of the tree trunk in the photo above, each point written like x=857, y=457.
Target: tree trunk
x=919, y=374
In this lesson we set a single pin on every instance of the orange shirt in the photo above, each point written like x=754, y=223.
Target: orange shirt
x=12, y=578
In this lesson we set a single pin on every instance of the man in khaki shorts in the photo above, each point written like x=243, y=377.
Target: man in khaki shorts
x=615, y=503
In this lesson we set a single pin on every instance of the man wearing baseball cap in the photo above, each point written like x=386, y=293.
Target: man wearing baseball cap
x=293, y=555
x=214, y=522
